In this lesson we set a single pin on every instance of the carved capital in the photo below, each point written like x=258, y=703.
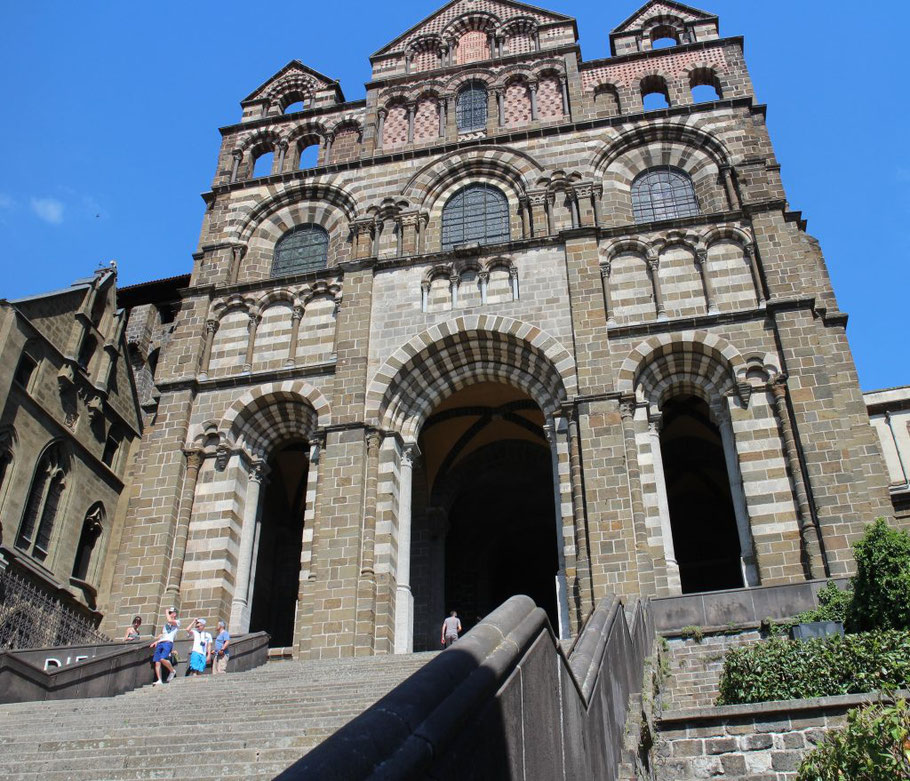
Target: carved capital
x=701, y=256
x=409, y=455
x=605, y=267
x=627, y=409
x=258, y=471
x=237, y=154
x=194, y=458
x=211, y=326
x=749, y=249
x=297, y=313
x=373, y=438
x=317, y=445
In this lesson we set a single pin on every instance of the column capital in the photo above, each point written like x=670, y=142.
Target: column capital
x=409, y=454
x=237, y=154
x=749, y=248
x=605, y=266
x=779, y=386
x=701, y=256
x=627, y=408
x=211, y=326
x=373, y=437
x=258, y=471
x=194, y=458
x=297, y=312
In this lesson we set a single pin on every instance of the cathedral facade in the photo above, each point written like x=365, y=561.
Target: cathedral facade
x=515, y=323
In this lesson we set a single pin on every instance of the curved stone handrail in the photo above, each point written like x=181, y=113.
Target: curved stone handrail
x=502, y=702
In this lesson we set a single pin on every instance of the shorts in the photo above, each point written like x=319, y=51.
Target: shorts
x=162, y=651
x=197, y=662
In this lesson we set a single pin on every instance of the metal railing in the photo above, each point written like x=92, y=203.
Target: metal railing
x=30, y=617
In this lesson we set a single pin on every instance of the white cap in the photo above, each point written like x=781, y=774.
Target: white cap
x=200, y=621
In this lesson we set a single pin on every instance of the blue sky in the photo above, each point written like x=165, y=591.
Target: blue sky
x=112, y=113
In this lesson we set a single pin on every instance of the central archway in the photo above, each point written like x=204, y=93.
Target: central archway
x=505, y=361
x=485, y=523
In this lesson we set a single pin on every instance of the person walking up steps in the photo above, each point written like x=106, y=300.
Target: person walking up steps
x=202, y=647
x=164, y=645
x=450, y=629
x=222, y=650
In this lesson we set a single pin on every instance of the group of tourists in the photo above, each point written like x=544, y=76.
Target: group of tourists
x=206, y=649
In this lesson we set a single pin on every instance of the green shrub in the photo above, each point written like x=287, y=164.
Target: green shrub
x=872, y=747
x=881, y=587
x=782, y=669
x=832, y=606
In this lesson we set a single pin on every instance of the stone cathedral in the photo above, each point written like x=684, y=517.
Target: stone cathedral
x=517, y=322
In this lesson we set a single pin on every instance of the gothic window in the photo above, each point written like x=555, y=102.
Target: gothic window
x=663, y=194
x=92, y=528
x=471, y=108
x=301, y=250
x=476, y=213
x=43, y=503
x=25, y=370
x=111, y=448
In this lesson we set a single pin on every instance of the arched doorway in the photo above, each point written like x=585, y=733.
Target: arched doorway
x=278, y=544
x=485, y=522
x=701, y=508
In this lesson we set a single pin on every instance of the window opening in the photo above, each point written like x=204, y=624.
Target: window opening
x=663, y=194
x=25, y=370
x=301, y=250
x=92, y=528
x=471, y=108
x=476, y=213
x=294, y=107
x=309, y=156
x=263, y=164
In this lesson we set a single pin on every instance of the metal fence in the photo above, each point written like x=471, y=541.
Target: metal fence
x=32, y=618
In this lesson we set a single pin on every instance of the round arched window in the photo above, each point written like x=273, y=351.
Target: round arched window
x=478, y=213
x=301, y=250
x=663, y=194
x=471, y=108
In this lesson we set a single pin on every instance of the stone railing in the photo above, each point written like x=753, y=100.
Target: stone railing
x=762, y=740
x=102, y=669
x=503, y=702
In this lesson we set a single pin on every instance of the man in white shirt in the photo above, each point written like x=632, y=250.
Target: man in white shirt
x=164, y=645
x=202, y=647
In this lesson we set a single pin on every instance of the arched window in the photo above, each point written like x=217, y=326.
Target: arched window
x=663, y=194
x=92, y=528
x=87, y=351
x=301, y=250
x=476, y=213
x=471, y=108
x=111, y=448
x=43, y=503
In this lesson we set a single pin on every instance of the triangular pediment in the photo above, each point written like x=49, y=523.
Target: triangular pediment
x=649, y=10
x=501, y=11
x=294, y=74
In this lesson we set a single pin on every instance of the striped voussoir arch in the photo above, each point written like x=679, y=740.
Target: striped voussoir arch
x=688, y=361
x=461, y=352
x=276, y=412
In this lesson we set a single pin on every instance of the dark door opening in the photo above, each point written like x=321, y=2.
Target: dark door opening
x=277, y=575
x=502, y=535
x=698, y=491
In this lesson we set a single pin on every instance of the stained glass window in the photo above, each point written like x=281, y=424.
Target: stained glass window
x=471, y=108
x=477, y=213
x=301, y=250
x=663, y=194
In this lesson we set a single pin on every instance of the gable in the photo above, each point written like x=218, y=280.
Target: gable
x=499, y=13
x=659, y=8
x=293, y=76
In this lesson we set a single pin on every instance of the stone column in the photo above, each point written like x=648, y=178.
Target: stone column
x=181, y=532
x=441, y=111
x=653, y=270
x=513, y=282
x=492, y=112
x=404, y=599
x=327, y=154
x=500, y=108
x=381, y=127
x=730, y=188
x=813, y=561
x=411, y=109
x=749, y=249
x=237, y=253
x=674, y=583
x=596, y=194
x=296, y=317
x=422, y=219
x=366, y=584
x=565, y=96
x=562, y=590
x=538, y=206
x=363, y=243
x=582, y=589
x=424, y=295
x=573, y=206
x=279, y=160
x=524, y=209
x=701, y=263
x=605, y=268
x=643, y=560
x=211, y=327
x=378, y=227
x=240, y=605
x=454, y=282
x=251, y=327
x=237, y=154
x=484, y=277
x=532, y=91
x=721, y=413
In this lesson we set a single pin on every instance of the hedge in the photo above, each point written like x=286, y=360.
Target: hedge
x=782, y=669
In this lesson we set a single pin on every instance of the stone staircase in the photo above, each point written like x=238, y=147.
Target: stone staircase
x=239, y=725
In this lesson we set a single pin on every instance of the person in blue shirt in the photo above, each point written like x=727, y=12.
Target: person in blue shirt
x=222, y=649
